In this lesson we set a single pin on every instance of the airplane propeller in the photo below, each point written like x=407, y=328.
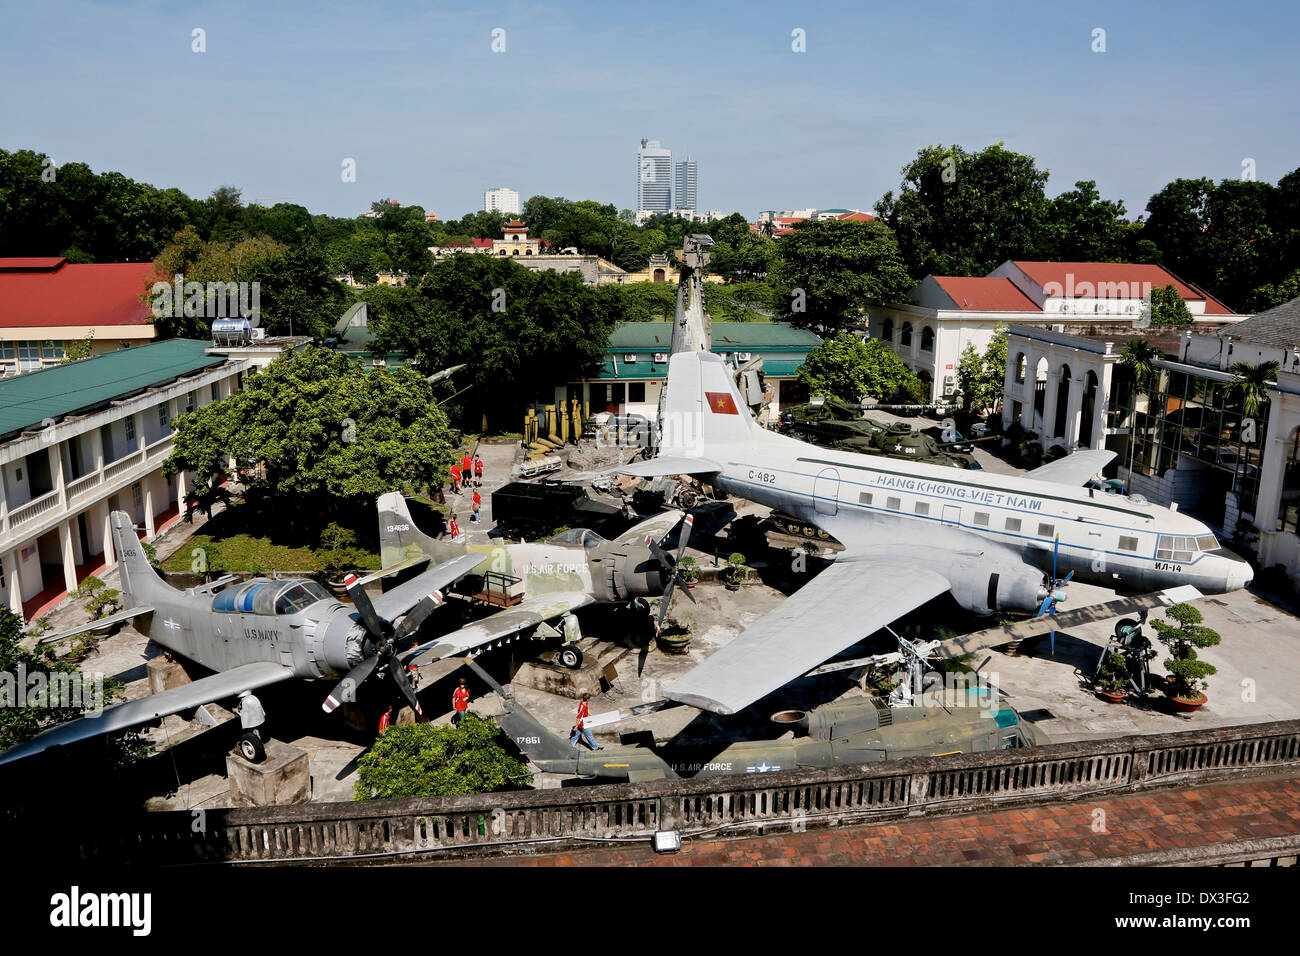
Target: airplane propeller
x=387, y=643
x=672, y=565
x=1055, y=591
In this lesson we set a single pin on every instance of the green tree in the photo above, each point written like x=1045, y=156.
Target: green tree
x=1186, y=672
x=319, y=433
x=507, y=324
x=438, y=760
x=1252, y=382
x=981, y=377
x=1080, y=226
x=960, y=213
x=1169, y=308
x=848, y=368
x=829, y=270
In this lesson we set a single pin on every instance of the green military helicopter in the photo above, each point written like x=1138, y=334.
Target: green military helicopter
x=860, y=730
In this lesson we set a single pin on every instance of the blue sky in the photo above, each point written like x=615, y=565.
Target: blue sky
x=415, y=94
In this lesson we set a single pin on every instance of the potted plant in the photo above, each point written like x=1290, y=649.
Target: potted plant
x=1112, y=677
x=674, y=637
x=100, y=599
x=689, y=571
x=82, y=647
x=1187, y=673
x=734, y=572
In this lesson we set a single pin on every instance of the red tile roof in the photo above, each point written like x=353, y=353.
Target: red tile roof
x=985, y=294
x=57, y=293
x=483, y=243
x=515, y=224
x=857, y=217
x=1134, y=274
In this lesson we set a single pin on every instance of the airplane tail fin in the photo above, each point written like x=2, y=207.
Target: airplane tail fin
x=140, y=583
x=400, y=539
x=542, y=747
x=703, y=408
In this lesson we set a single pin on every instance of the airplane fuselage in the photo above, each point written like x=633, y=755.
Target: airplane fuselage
x=979, y=517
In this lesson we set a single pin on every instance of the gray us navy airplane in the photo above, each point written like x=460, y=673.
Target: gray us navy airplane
x=253, y=635
x=911, y=532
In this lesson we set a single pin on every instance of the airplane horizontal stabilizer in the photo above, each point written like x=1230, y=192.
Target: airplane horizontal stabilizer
x=1076, y=469
x=124, y=716
x=662, y=467
x=99, y=624
x=1065, y=620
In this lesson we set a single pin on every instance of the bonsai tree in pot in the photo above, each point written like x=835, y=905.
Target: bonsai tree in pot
x=675, y=636
x=1187, y=673
x=100, y=599
x=1112, y=677
x=689, y=571
x=734, y=572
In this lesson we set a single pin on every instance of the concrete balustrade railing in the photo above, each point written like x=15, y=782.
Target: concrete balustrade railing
x=449, y=826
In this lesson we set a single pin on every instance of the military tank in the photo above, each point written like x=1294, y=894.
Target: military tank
x=835, y=424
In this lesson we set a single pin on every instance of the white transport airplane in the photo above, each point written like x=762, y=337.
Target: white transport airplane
x=911, y=532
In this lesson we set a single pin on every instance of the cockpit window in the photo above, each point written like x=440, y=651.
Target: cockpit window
x=299, y=597
x=581, y=536
x=1176, y=547
x=1207, y=542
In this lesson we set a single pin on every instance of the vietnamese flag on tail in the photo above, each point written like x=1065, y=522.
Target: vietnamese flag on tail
x=721, y=403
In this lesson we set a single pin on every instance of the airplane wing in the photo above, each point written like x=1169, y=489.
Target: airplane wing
x=1064, y=620
x=399, y=600
x=123, y=716
x=655, y=527
x=1075, y=469
x=99, y=624
x=662, y=467
x=503, y=624
x=841, y=606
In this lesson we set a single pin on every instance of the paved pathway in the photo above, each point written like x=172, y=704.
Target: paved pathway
x=1083, y=831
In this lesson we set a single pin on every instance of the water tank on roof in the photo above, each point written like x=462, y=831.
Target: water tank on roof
x=230, y=331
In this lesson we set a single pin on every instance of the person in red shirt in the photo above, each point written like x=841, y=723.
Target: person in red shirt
x=455, y=477
x=385, y=721
x=478, y=472
x=478, y=503
x=466, y=464
x=459, y=703
x=580, y=726
x=453, y=528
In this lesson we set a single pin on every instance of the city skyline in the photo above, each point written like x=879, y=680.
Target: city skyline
x=792, y=129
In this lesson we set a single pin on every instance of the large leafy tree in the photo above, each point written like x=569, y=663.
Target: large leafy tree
x=981, y=377
x=507, y=324
x=829, y=270
x=1080, y=226
x=1169, y=308
x=848, y=368
x=320, y=434
x=438, y=760
x=960, y=213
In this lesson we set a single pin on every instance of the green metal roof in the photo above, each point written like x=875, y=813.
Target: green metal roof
x=782, y=346
x=727, y=337
x=32, y=397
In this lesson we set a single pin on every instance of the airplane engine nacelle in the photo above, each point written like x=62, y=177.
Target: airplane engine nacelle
x=342, y=645
x=984, y=585
x=627, y=572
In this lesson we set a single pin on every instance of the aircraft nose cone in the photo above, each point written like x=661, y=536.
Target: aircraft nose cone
x=1243, y=574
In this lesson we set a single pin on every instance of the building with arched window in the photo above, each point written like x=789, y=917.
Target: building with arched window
x=946, y=314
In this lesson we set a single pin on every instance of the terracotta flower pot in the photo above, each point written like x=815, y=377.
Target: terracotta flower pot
x=1114, y=696
x=1185, y=705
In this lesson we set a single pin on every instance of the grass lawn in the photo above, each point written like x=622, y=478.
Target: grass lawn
x=259, y=555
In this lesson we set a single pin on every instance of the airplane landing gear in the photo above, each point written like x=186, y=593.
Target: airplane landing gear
x=251, y=746
x=252, y=743
x=570, y=656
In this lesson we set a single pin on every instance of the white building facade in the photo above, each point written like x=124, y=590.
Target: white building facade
x=654, y=178
x=61, y=474
x=502, y=199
